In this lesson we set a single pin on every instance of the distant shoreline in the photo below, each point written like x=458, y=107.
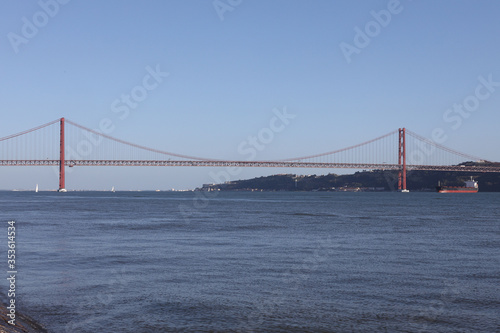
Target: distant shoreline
x=363, y=181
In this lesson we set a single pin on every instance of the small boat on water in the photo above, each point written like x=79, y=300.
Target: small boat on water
x=113, y=189
x=471, y=186
x=36, y=188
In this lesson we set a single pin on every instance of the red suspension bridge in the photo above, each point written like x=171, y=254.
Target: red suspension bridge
x=63, y=143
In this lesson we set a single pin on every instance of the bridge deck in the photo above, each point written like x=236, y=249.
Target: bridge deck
x=258, y=164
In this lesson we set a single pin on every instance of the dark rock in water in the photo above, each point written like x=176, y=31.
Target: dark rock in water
x=24, y=324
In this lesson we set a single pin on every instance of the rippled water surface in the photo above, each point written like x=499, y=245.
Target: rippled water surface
x=261, y=262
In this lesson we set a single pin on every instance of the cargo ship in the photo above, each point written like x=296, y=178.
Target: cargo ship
x=470, y=187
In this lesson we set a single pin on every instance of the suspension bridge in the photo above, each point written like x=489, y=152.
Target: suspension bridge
x=63, y=143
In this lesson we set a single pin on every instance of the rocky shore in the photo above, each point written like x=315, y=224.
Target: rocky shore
x=24, y=324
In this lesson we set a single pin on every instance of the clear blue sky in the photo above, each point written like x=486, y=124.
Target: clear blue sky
x=226, y=77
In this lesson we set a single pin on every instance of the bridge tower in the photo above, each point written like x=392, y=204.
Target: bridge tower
x=62, y=180
x=402, y=161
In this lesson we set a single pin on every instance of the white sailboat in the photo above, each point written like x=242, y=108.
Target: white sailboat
x=36, y=188
x=113, y=189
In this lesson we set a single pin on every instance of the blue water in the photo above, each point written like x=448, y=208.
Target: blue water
x=257, y=262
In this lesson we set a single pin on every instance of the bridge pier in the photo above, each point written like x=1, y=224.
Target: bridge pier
x=402, y=161
x=62, y=162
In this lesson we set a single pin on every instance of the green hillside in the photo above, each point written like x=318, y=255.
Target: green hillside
x=376, y=180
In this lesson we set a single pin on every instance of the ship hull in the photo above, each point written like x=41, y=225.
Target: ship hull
x=443, y=189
